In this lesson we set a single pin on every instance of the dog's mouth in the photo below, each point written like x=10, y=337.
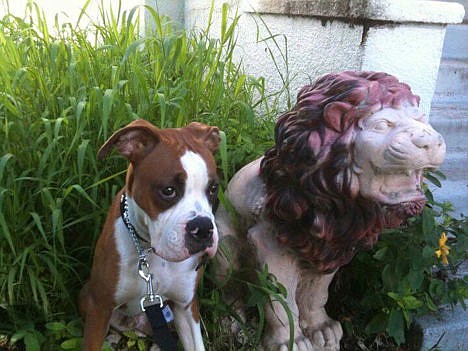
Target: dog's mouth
x=205, y=247
x=189, y=248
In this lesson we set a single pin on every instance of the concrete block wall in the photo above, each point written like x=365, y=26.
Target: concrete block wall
x=401, y=37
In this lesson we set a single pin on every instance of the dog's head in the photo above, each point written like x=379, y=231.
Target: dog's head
x=171, y=185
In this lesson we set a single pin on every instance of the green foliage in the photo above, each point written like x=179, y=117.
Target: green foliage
x=246, y=330
x=64, y=91
x=402, y=278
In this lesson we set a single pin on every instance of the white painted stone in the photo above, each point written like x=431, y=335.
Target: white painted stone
x=410, y=52
x=401, y=37
x=173, y=9
x=422, y=11
x=414, y=11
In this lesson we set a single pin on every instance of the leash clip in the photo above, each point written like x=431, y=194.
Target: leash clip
x=150, y=298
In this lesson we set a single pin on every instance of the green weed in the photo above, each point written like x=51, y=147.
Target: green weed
x=64, y=91
x=381, y=292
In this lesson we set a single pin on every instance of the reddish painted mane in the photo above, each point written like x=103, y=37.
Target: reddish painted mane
x=308, y=173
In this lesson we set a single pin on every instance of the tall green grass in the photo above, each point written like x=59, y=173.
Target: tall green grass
x=64, y=90
x=61, y=96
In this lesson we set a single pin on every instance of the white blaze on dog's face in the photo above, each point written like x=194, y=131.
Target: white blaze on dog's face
x=171, y=186
x=180, y=219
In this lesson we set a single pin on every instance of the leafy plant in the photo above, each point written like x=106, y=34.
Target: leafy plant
x=68, y=335
x=246, y=324
x=383, y=290
x=64, y=91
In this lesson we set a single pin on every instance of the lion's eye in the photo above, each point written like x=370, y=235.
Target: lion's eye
x=382, y=126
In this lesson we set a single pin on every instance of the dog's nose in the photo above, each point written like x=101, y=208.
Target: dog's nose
x=200, y=228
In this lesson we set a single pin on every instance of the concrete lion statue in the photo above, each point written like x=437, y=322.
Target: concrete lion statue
x=348, y=161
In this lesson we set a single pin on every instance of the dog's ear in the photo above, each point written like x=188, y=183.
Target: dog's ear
x=134, y=141
x=208, y=134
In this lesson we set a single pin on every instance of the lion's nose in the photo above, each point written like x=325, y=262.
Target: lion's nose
x=427, y=139
x=432, y=143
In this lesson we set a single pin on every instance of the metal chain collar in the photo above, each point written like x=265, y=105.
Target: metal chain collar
x=131, y=229
x=143, y=266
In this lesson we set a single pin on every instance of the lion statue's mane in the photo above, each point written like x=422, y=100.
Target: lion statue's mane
x=312, y=192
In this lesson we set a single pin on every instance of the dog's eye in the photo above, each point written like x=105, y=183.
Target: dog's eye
x=169, y=192
x=213, y=189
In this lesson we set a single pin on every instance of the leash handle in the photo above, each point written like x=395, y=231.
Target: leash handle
x=162, y=335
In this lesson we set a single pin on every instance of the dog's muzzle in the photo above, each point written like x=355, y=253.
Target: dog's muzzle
x=199, y=234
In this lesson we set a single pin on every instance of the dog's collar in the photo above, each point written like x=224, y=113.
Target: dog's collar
x=136, y=238
x=152, y=304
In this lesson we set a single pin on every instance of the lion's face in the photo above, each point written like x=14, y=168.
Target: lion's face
x=392, y=148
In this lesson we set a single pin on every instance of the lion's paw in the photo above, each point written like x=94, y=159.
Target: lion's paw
x=301, y=343
x=326, y=336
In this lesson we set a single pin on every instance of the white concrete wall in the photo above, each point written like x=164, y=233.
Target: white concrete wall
x=401, y=37
x=410, y=52
x=171, y=8
x=67, y=11
x=313, y=48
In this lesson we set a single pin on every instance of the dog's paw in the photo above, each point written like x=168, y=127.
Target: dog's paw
x=326, y=336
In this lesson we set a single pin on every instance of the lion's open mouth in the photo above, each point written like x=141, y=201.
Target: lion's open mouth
x=400, y=185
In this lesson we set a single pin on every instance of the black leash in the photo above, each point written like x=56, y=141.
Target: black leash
x=162, y=335
x=158, y=315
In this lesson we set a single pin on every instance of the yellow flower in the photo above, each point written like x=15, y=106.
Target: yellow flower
x=443, y=251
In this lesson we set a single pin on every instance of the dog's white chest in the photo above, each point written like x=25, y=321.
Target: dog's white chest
x=174, y=281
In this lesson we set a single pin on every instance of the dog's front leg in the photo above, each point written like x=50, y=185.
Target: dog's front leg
x=96, y=317
x=187, y=323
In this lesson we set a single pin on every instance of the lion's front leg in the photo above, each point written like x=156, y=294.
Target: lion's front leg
x=312, y=295
x=284, y=267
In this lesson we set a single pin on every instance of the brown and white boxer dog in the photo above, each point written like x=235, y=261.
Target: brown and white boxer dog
x=170, y=189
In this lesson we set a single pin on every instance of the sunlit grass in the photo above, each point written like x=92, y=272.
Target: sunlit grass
x=61, y=96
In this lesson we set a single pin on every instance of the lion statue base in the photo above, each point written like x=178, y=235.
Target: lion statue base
x=348, y=161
